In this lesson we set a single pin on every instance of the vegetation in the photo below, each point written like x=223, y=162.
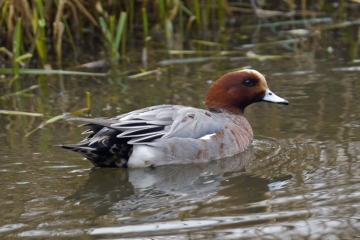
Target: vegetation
x=40, y=33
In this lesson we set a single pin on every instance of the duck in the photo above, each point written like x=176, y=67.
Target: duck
x=176, y=134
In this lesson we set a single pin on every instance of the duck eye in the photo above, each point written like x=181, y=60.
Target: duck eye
x=248, y=82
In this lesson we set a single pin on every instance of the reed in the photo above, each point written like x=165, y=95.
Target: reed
x=55, y=26
x=52, y=119
x=16, y=54
x=39, y=31
x=221, y=15
x=197, y=14
x=145, y=27
x=4, y=10
x=51, y=72
x=120, y=30
x=88, y=102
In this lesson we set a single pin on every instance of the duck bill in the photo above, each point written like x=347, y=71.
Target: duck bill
x=272, y=97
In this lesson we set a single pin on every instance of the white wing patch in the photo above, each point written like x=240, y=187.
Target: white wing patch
x=207, y=137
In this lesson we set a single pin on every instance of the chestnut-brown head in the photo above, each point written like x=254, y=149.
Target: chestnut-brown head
x=236, y=90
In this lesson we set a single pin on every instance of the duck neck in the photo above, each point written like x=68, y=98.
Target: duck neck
x=221, y=96
x=237, y=111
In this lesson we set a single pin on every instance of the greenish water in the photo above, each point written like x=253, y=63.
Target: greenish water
x=300, y=179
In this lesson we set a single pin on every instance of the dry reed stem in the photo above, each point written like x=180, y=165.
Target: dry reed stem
x=59, y=40
x=290, y=4
x=87, y=14
x=26, y=10
x=143, y=74
x=227, y=9
x=7, y=52
x=242, y=10
x=260, y=13
x=174, y=11
x=98, y=7
x=58, y=17
x=9, y=112
x=189, y=23
x=9, y=23
x=303, y=5
x=75, y=16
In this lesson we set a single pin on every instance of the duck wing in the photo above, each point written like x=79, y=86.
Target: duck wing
x=167, y=121
x=145, y=125
x=163, y=121
x=194, y=123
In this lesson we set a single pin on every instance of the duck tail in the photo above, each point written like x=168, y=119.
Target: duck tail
x=102, y=147
x=88, y=152
x=99, y=157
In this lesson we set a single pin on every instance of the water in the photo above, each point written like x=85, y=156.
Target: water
x=300, y=179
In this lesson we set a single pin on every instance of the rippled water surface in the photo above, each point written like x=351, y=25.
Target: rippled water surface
x=300, y=179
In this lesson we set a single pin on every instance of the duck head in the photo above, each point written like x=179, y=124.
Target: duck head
x=236, y=90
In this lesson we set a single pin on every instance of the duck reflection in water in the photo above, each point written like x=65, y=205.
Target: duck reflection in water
x=123, y=191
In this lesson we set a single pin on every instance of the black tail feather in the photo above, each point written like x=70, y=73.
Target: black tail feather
x=101, y=147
